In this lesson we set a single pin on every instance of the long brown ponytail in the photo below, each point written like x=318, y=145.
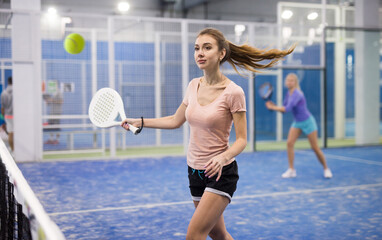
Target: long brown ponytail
x=245, y=56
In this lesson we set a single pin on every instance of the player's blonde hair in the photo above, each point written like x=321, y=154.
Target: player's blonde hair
x=297, y=82
x=245, y=56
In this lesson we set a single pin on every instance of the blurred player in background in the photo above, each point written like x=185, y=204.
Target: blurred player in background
x=304, y=122
x=7, y=111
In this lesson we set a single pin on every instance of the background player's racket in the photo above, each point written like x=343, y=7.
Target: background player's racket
x=105, y=107
x=266, y=91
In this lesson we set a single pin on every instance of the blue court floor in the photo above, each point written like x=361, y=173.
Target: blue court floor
x=148, y=198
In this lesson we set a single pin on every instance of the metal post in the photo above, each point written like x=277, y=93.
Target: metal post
x=111, y=78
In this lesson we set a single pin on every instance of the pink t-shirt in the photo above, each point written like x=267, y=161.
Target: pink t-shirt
x=211, y=124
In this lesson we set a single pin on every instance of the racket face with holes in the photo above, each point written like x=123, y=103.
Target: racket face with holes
x=266, y=91
x=105, y=106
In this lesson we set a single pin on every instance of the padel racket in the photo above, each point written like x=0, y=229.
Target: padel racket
x=266, y=91
x=105, y=106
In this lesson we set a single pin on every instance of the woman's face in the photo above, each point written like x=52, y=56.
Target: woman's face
x=290, y=82
x=207, y=54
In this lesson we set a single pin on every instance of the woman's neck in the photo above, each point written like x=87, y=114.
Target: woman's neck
x=291, y=90
x=214, y=78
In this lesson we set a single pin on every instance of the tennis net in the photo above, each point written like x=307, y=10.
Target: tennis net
x=22, y=215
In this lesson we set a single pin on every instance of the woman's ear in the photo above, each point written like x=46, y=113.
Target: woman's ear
x=222, y=54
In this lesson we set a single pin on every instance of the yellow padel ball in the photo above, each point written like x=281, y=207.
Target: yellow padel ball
x=74, y=43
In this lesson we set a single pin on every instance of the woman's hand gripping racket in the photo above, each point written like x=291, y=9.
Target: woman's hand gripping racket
x=266, y=91
x=105, y=106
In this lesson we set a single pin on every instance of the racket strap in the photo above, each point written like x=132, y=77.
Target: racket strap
x=141, y=127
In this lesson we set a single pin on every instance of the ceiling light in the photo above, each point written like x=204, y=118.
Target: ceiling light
x=239, y=28
x=312, y=16
x=52, y=11
x=287, y=14
x=123, y=7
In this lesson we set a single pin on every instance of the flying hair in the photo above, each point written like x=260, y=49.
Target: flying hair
x=245, y=56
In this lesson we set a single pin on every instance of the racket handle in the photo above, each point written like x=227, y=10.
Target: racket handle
x=133, y=129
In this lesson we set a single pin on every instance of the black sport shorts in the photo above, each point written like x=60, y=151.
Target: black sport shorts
x=226, y=185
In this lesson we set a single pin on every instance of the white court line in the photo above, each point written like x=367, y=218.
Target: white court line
x=349, y=159
x=150, y=205
x=274, y=194
x=308, y=191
